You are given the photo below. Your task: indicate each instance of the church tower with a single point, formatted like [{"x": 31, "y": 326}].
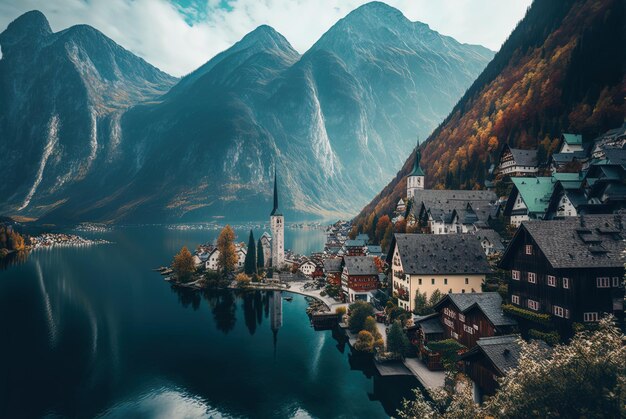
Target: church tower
[
  {"x": 415, "y": 179},
  {"x": 277, "y": 225}
]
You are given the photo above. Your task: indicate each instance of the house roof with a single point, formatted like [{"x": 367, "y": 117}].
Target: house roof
[
  {"x": 417, "y": 170},
  {"x": 493, "y": 237},
  {"x": 590, "y": 241},
  {"x": 563, "y": 158},
  {"x": 355, "y": 243},
  {"x": 490, "y": 303},
  {"x": 430, "y": 324},
  {"x": 502, "y": 351},
  {"x": 524, "y": 157},
  {"x": 445, "y": 201},
  {"x": 374, "y": 249},
  {"x": 332, "y": 264},
  {"x": 363, "y": 237},
  {"x": 573, "y": 139},
  {"x": 360, "y": 265},
  {"x": 426, "y": 254},
  {"x": 535, "y": 192}
]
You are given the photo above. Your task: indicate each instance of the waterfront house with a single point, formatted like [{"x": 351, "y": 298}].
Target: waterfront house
[
  {"x": 359, "y": 277},
  {"x": 516, "y": 162},
  {"x": 425, "y": 262},
  {"x": 332, "y": 269},
  {"x": 354, "y": 247},
  {"x": 212, "y": 262},
  {"x": 308, "y": 268},
  {"x": 490, "y": 359},
  {"x": 466, "y": 317},
  {"x": 571, "y": 270}
]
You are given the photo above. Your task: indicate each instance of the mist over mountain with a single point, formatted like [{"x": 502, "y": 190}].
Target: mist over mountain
[{"x": 91, "y": 132}]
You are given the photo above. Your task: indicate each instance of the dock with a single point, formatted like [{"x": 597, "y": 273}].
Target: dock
[
  {"x": 324, "y": 320},
  {"x": 429, "y": 379},
  {"x": 392, "y": 369}
]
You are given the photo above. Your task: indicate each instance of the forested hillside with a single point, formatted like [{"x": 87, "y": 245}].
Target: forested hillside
[{"x": 560, "y": 70}]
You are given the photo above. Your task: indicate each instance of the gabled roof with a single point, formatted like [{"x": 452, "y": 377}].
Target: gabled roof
[
  {"x": 573, "y": 139},
  {"x": 332, "y": 265},
  {"x": 490, "y": 303},
  {"x": 374, "y": 249},
  {"x": 360, "y": 265},
  {"x": 429, "y": 324},
  {"x": 439, "y": 254},
  {"x": 591, "y": 241},
  {"x": 363, "y": 236},
  {"x": 563, "y": 158},
  {"x": 524, "y": 157},
  {"x": 354, "y": 243},
  {"x": 493, "y": 237},
  {"x": 417, "y": 170},
  {"x": 502, "y": 351},
  {"x": 535, "y": 192}
]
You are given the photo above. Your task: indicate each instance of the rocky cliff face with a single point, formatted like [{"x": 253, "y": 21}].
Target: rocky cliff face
[{"x": 96, "y": 133}]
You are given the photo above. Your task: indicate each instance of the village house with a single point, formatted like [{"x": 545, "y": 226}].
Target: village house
[
  {"x": 212, "y": 262},
  {"x": 610, "y": 140},
  {"x": 490, "y": 241},
  {"x": 570, "y": 143},
  {"x": 373, "y": 250},
  {"x": 266, "y": 244},
  {"x": 332, "y": 269},
  {"x": 570, "y": 269},
  {"x": 308, "y": 268},
  {"x": 453, "y": 263},
  {"x": 358, "y": 278},
  {"x": 516, "y": 162},
  {"x": 489, "y": 360},
  {"x": 354, "y": 247}
]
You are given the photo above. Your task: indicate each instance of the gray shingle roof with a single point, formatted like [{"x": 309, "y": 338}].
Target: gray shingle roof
[
  {"x": 355, "y": 243},
  {"x": 568, "y": 243},
  {"x": 430, "y": 325},
  {"x": 332, "y": 265},
  {"x": 502, "y": 351},
  {"x": 360, "y": 265},
  {"x": 490, "y": 303},
  {"x": 524, "y": 157},
  {"x": 425, "y": 254},
  {"x": 493, "y": 237}
]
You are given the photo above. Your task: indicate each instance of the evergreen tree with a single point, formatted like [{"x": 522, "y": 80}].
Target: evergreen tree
[
  {"x": 260, "y": 256},
  {"x": 249, "y": 264},
  {"x": 397, "y": 341}
]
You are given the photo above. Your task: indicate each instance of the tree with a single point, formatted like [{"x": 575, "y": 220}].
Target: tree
[
  {"x": 586, "y": 378},
  {"x": 359, "y": 311},
  {"x": 249, "y": 264},
  {"x": 364, "y": 341},
  {"x": 370, "y": 326},
  {"x": 381, "y": 227},
  {"x": 242, "y": 279},
  {"x": 434, "y": 298},
  {"x": 421, "y": 303},
  {"x": 260, "y": 256},
  {"x": 397, "y": 341},
  {"x": 183, "y": 264},
  {"x": 386, "y": 241},
  {"x": 228, "y": 258}
]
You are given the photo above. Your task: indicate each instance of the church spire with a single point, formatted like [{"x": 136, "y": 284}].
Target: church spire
[
  {"x": 275, "y": 211},
  {"x": 417, "y": 170}
]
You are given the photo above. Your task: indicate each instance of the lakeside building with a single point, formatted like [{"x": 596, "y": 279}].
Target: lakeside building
[
  {"x": 570, "y": 269},
  {"x": 277, "y": 226},
  {"x": 308, "y": 268},
  {"x": 488, "y": 361},
  {"x": 212, "y": 261},
  {"x": 333, "y": 268},
  {"x": 354, "y": 247},
  {"x": 358, "y": 277},
  {"x": 454, "y": 263},
  {"x": 516, "y": 162}
]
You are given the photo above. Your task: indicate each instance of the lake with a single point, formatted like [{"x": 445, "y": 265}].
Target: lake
[{"x": 93, "y": 332}]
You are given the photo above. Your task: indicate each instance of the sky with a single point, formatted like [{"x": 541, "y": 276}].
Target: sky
[{"x": 178, "y": 36}]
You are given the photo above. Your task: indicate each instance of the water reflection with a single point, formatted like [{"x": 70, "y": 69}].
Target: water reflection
[{"x": 13, "y": 259}]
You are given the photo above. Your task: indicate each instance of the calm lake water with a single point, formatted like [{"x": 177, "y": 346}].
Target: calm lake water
[{"x": 93, "y": 332}]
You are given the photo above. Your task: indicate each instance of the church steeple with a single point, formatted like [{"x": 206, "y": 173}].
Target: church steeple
[
  {"x": 417, "y": 170},
  {"x": 275, "y": 211}
]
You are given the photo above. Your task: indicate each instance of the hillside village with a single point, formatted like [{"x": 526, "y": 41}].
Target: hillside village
[{"x": 539, "y": 253}]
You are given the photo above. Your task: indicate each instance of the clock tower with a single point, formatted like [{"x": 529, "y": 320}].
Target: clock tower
[{"x": 415, "y": 179}]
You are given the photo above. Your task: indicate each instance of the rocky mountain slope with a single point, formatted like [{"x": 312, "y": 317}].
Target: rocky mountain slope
[
  {"x": 128, "y": 144},
  {"x": 561, "y": 70}
]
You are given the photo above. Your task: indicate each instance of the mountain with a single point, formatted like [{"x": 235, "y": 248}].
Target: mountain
[
  {"x": 334, "y": 122},
  {"x": 61, "y": 95},
  {"x": 560, "y": 70}
]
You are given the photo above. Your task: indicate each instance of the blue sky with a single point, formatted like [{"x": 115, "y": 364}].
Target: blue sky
[{"x": 180, "y": 35}]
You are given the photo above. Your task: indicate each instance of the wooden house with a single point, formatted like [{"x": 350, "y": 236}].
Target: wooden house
[{"x": 358, "y": 278}]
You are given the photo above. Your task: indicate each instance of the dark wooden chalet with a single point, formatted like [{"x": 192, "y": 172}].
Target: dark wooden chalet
[
  {"x": 570, "y": 269},
  {"x": 471, "y": 316}
]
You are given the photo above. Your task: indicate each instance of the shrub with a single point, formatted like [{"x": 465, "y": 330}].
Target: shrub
[
  {"x": 364, "y": 342},
  {"x": 551, "y": 338},
  {"x": 359, "y": 311},
  {"x": 540, "y": 318},
  {"x": 341, "y": 311},
  {"x": 242, "y": 279}
]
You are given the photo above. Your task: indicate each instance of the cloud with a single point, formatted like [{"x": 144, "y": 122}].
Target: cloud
[{"x": 180, "y": 36}]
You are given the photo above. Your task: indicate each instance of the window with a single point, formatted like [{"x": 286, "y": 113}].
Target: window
[
  {"x": 466, "y": 281},
  {"x": 566, "y": 313},
  {"x": 462, "y": 291},
  {"x": 616, "y": 281},
  {"x": 419, "y": 281},
  {"x": 533, "y": 305},
  {"x": 603, "y": 282},
  {"x": 532, "y": 277},
  {"x": 445, "y": 281},
  {"x": 590, "y": 317},
  {"x": 552, "y": 281},
  {"x": 566, "y": 283},
  {"x": 515, "y": 275},
  {"x": 515, "y": 299},
  {"x": 529, "y": 249},
  {"x": 432, "y": 281},
  {"x": 558, "y": 311}
]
